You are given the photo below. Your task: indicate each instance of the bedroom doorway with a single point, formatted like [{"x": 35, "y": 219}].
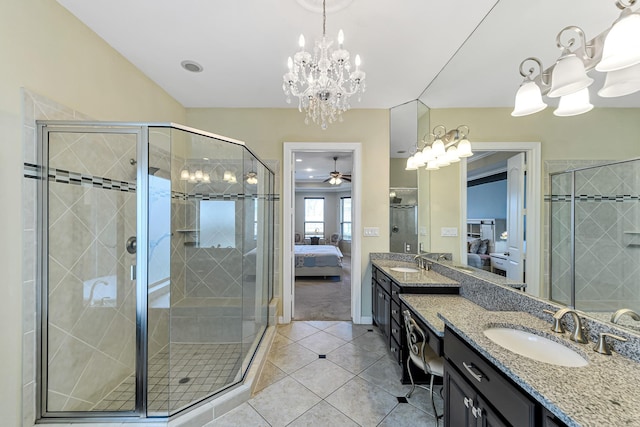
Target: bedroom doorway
[
  {"x": 318, "y": 216},
  {"x": 531, "y": 227}
]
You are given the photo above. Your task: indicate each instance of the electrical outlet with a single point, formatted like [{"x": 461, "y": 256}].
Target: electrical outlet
[
  {"x": 407, "y": 248},
  {"x": 371, "y": 232}
]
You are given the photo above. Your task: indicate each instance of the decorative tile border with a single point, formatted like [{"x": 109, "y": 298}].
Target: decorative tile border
[
  {"x": 34, "y": 171},
  {"x": 594, "y": 198}
]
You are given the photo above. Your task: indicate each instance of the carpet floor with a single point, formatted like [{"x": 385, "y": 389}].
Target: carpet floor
[{"x": 320, "y": 299}]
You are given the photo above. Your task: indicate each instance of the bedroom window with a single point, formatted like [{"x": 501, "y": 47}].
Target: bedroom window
[
  {"x": 313, "y": 217},
  {"x": 345, "y": 218}
]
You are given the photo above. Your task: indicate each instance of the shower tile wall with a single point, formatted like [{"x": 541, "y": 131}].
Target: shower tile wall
[
  {"x": 84, "y": 224},
  {"x": 607, "y": 244},
  {"x": 554, "y": 166}
]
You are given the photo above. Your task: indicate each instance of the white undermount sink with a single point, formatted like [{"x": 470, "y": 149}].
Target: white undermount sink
[
  {"x": 404, "y": 269},
  {"x": 535, "y": 347}
]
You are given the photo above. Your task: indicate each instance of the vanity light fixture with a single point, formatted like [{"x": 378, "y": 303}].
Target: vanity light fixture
[
  {"x": 194, "y": 177},
  {"x": 447, "y": 147},
  {"x": 615, "y": 51}
]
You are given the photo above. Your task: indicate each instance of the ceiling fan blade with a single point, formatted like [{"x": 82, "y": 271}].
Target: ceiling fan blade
[
  {"x": 344, "y": 178},
  {"x": 348, "y": 175}
]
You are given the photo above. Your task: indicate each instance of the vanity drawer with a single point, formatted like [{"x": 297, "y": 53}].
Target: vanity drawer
[
  {"x": 512, "y": 403},
  {"x": 384, "y": 282},
  {"x": 395, "y": 313},
  {"x": 394, "y": 347},
  {"x": 395, "y": 293}
]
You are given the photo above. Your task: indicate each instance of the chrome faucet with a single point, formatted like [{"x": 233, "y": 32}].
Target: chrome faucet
[
  {"x": 421, "y": 262},
  {"x": 442, "y": 257},
  {"x": 618, "y": 314},
  {"x": 578, "y": 332}
]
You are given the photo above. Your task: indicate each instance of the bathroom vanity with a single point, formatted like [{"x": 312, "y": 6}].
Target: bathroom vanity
[
  {"x": 487, "y": 383},
  {"x": 387, "y": 286}
]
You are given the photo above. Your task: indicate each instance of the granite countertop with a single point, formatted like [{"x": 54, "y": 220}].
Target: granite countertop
[
  {"x": 602, "y": 393},
  {"x": 421, "y": 278}
]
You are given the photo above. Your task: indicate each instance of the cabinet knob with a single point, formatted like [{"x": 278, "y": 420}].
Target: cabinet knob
[
  {"x": 393, "y": 330},
  {"x": 393, "y": 349},
  {"x": 468, "y": 402},
  {"x": 394, "y": 311},
  {"x": 477, "y": 412}
]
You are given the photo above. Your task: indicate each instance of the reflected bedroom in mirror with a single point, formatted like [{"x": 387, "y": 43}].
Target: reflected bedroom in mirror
[{"x": 576, "y": 230}]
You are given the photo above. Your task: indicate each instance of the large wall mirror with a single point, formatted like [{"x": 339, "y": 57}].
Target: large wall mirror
[{"x": 477, "y": 88}]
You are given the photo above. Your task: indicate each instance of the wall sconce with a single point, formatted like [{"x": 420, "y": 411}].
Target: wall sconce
[
  {"x": 447, "y": 147},
  {"x": 615, "y": 51}
]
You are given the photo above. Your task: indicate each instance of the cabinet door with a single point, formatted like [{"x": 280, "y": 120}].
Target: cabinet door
[
  {"x": 485, "y": 415},
  {"x": 374, "y": 301},
  {"x": 458, "y": 400},
  {"x": 382, "y": 310}
]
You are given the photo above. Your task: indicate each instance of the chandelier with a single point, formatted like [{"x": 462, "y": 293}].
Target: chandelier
[
  {"x": 447, "y": 147},
  {"x": 324, "y": 81},
  {"x": 615, "y": 51}
]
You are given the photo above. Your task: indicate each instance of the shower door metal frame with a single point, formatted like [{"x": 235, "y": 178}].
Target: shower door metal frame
[{"x": 45, "y": 127}]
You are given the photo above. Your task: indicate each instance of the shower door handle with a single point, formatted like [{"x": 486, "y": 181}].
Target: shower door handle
[{"x": 133, "y": 272}]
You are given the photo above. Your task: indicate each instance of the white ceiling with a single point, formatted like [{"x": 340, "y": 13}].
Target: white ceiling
[
  {"x": 244, "y": 45},
  {"x": 448, "y": 54}
]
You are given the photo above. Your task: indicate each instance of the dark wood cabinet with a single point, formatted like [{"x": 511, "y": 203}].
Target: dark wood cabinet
[
  {"x": 387, "y": 315},
  {"x": 490, "y": 392}
]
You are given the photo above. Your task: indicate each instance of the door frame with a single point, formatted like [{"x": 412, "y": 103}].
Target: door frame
[
  {"x": 288, "y": 218},
  {"x": 533, "y": 210}
]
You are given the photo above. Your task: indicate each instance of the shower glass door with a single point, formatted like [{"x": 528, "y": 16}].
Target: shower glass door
[{"x": 89, "y": 295}]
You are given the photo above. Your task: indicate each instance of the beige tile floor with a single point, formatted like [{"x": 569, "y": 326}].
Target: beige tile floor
[{"x": 357, "y": 384}]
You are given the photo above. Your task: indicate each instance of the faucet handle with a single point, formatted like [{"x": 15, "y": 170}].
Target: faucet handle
[
  {"x": 557, "y": 326},
  {"x": 602, "y": 347}
]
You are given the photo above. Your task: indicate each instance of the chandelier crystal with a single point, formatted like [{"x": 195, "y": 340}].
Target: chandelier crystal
[{"x": 323, "y": 81}]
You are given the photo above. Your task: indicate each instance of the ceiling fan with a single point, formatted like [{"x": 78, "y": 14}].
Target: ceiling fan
[{"x": 335, "y": 177}]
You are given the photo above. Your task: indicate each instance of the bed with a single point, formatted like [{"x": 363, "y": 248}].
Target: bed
[{"x": 318, "y": 260}]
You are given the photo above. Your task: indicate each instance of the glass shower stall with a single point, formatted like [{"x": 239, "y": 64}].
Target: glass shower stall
[
  {"x": 155, "y": 267},
  {"x": 595, "y": 237}
]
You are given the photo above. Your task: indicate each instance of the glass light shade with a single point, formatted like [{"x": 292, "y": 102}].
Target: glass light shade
[
  {"x": 452, "y": 155},
  {"x": 464, "y": 148},
  {"x": 184, "y": 174},
  {"x": 427, "y": 154},
  {"x": 432, "y": 165},
  {"x": 226, "y": 176},
  {"x": 192, "y": 178},
  {"x": 418, "y": 159},
  {"x": 443, "y": 161},
  {"x": 568, "y": 76},
  {"x": 622, "y": 45},
  {"x": 411, "y": 164},
  {"x": 574, "y": 104},
  {"x": 233, "y": 180},
  {"x": 338, "y": 181},
  {"x": 621, "y": 82},
  {"x": 199, "y": 175},
  {"x": 438, "y": 148},
  {"x": 528, "y": 99}
]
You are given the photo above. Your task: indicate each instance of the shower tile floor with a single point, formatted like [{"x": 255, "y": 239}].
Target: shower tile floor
[{"x": 196, "y": 370}]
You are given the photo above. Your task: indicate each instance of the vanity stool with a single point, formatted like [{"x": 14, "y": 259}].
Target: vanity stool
[{"x": 422, "y": 356}]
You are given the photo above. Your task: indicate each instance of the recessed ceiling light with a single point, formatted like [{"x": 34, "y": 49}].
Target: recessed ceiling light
[
  {"x": 308, "y": 170},
  {"x": 192, "y": 66},
  {"x": 401, "y": 151},
  {"x": 310, "y": 176},
  {"x": 298, "y": 160}
]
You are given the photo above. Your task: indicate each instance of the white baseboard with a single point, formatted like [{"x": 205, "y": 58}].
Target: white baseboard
[{"x": 366, "y": 320}]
